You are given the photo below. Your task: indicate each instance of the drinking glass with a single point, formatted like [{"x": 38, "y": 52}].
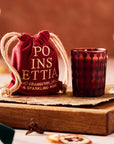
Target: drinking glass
[{"x": 88, "y": 71}]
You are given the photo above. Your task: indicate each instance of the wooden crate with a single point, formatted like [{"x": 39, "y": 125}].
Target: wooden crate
[{"x": 90, "y": 120}]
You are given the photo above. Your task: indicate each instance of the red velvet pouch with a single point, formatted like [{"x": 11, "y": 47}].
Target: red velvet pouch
[{"x": 35, "y": 59}]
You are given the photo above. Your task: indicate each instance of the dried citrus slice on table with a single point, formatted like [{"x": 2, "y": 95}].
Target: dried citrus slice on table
[
  {"x": 74, "y": 139},
  {"x": 68, "y": 139},
  {"x": 53, "y": 138}
]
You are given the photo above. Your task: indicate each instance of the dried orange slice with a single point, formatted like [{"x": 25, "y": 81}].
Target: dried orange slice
[
  {"x": 74, "y": 139},
  {"x": 53, "y": 138}
]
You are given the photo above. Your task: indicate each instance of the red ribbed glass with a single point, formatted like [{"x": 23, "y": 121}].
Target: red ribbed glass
[{"x": 88, "y": 71}]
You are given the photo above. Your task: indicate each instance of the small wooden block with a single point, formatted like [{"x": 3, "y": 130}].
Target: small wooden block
[{"x": 95, "y": 120}]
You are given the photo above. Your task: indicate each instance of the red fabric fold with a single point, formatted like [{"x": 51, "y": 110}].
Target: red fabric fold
[{"x": 36, "y": 61}]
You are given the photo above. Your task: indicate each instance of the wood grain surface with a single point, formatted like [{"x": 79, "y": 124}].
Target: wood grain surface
[{"x": 89, "y": 120}]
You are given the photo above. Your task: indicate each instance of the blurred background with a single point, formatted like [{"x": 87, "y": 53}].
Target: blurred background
[{"x": 78, "y": 23}]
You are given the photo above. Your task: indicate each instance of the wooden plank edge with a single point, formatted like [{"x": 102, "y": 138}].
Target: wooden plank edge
[
  {"x": 75, "y": 120},
  {"x": 110, "y": 122}
]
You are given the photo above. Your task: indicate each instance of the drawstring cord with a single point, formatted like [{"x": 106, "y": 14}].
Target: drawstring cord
[
  {"x": 6, "y": 92},
  {"x": 57, "y": 43}
]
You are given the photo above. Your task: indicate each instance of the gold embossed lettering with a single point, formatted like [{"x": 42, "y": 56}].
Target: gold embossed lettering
[
  {"x": 44, "y": 74},
  {"x": 41, "y": 63},
  {"x": 35, "y": 74},
  {"x": 54, "y": 73},
  {"x": 36, "y": 50},
  {"x": 49, "y": 62},
  {"x": 25, "y": 75}
]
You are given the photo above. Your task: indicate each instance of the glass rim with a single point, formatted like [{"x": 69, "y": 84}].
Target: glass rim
[{"x": 89, "y": 50}]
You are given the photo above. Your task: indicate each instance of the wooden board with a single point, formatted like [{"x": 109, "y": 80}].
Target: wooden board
[{"x": 95, "y": 120}]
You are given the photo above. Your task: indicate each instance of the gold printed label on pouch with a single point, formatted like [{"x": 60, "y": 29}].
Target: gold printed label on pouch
[{"x": 40, "y": 68}]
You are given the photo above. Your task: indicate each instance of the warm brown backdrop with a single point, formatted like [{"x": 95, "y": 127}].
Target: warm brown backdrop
[{"x": 78, "y": 23}]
